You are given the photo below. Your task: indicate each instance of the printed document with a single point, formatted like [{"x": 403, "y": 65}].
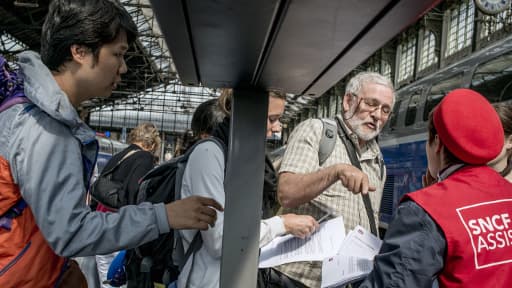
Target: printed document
[
  {"x": 354, "y": 259},
  {"x": 320, "y": 245}
]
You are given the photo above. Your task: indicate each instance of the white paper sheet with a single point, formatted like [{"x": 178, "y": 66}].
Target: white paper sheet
[
  {"x": 320, "y": 245},
  {"x": 361, "y": 243},
  {"x": 341, "y": 269},
  {"x": 354, "y": 259}
]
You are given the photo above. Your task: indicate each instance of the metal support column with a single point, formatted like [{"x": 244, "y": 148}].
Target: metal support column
[{"x": 244, "y": 189}]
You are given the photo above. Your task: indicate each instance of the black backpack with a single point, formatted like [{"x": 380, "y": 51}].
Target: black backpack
[
  {"x": 162, "y": 259},
  {"x": 107, "y": 191}
]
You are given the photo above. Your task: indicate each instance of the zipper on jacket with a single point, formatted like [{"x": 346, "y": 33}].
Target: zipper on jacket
[{"x": 16, "y": 259}]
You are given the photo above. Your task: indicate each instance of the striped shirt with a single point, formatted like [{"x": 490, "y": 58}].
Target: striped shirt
[{"x": 301, "y": 156}]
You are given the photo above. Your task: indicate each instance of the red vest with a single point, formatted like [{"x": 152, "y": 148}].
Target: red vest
[
  {"x": 473, "y": 207},
  {"x": 26, "y": 259}
]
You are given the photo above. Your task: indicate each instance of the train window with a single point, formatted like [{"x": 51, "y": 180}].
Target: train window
[
  {"x": 493, "y": 79},
  {"x": 412, "y": 108},
  {"x": 438, "y": 91}
]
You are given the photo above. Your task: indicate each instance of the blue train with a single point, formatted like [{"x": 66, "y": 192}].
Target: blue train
[{"x": 488, "y": 71}]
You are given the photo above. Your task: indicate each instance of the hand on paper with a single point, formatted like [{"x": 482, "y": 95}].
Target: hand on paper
[{"x": 299, "y": 225}]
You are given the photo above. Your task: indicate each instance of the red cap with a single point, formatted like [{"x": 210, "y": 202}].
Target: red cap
[{"x": 469, "y": 127}]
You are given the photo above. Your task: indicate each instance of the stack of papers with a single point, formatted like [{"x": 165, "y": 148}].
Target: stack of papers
[
  {"x": 345, "y": 258},
  {"x": 353, "y": 261}
]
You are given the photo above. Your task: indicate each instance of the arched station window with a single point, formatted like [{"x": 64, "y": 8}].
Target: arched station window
[
  {"x": 407, "y": 56},
  {"x": 428, "y": 50},
  {"x": 460, "y": 29},
  {"x": 495, "y": 23}
]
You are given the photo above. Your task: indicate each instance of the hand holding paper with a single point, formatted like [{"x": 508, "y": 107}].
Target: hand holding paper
[{"x": 318, "y": 246}]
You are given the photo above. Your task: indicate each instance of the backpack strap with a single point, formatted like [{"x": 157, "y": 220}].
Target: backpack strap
[
  {"x": 13, "y": 101},
  {"x": 351, "y": 150},
  {"x": 13, "y": 212},
  {"x": 119, "y": 162},
  {"x": 181, "y": 168},
  {"x": 327, "y": 141}
]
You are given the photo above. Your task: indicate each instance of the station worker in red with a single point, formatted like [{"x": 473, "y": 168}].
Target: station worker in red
[{"x": 456, "y": 232}]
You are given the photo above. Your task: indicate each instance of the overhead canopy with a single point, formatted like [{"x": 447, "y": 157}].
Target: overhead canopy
[
  {"x": 148, "y": 61},
  {"x": 302, "y": 47}
]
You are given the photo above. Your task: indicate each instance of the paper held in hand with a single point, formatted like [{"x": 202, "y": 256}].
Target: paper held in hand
[
  {"x": 320, "y": 245},
  {"x": 353, "y": 261}
]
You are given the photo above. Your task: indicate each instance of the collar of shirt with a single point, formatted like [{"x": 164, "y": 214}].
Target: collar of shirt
[{"x": 448, "y": 171}]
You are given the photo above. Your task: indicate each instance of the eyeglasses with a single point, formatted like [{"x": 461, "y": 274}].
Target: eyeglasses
[{"x": 373, "y": 105}]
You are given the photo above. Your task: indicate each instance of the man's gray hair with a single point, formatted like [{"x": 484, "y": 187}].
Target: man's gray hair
[{"x": 356, "y": 83}]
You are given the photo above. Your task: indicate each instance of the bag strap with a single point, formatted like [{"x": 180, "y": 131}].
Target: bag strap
[
  {"x": 327, "y": 141},
  {"x": 349, "y": 145},
  {"x": 119, "y": 163}
]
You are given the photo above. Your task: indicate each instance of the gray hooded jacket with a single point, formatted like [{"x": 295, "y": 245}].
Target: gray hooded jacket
[{"x": 51, "y": 153}]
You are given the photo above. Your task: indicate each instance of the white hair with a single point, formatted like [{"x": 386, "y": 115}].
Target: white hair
[{"x": 356, "y": 83}]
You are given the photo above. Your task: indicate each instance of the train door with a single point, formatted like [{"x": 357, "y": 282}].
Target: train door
[{"x": 399, "y": 154}]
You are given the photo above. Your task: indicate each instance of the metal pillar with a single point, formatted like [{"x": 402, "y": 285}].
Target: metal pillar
[{"x": 244, "y": 189}]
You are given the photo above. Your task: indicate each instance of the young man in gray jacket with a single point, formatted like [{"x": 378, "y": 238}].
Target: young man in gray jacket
[{"x": 47, "y": 153}]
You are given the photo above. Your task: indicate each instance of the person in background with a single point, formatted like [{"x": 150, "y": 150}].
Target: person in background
[
  {"x": 47, "y": 153},
  {"x": 204, "y": 175},
  {"x": 138, "y": 160},
  {"x": 182, "y": 143},
  {"x": 455, "y": 232},
  {"x": 503, "y": 163},
  {"x": 306, "y": 187},
  {"x": 206, "y": 117}
]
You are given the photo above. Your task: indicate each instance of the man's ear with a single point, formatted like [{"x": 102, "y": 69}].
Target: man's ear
[{"x": 79, "y": 53}]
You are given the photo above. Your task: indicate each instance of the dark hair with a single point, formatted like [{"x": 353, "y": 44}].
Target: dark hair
[
  {"x": 206, "y": 117},
  {"x": 450, "y": 158},
  {"x": 91, "y": 23},
  {"x": 505, "y": 112}
]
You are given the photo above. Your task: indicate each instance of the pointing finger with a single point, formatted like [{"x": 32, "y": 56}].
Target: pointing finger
[{"x": 364, "y": 185}]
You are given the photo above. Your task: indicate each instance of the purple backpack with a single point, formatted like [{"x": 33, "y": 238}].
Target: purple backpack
[{"x": 11, "y": 86}]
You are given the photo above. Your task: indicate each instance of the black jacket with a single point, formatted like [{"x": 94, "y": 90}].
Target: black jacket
[{"x": 131, "y": 170}]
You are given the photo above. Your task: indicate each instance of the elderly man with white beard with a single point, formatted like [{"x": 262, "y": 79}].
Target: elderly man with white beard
[{"x": 307, "y": 186}]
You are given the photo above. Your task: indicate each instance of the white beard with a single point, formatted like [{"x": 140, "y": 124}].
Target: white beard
[{"x": 356, "y": 125}]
